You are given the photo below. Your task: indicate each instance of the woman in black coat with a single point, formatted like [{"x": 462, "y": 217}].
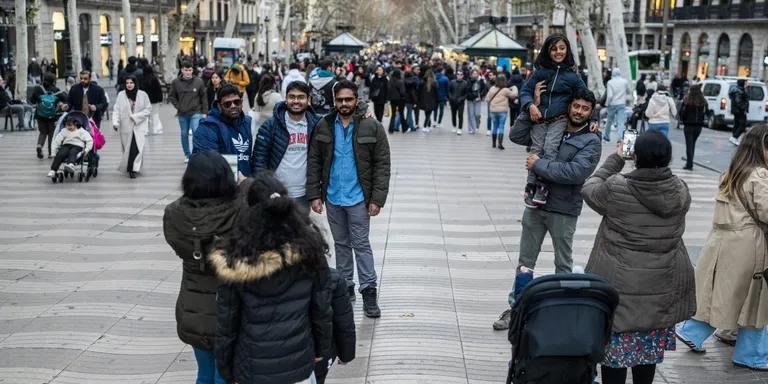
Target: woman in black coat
[
  {"x": 692, "y": 114},
  {"x": 191, "y": 225},
  {"x": 396, "y": 95},
  {"x": 427, "y": 99},
  {"x": 274, "y": 312},
  {"x": 151, "y": 85},
  {"x": 378, "y": 86}
]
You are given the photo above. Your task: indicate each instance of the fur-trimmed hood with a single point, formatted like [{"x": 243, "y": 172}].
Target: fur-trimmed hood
[{"x": 266, "y": 265}]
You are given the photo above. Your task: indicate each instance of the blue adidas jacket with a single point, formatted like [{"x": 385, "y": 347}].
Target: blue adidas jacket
[
  {"x": 443, "y": 83},
  {"x": 272, "y": 139},
  {"x": 215, "y": 134}
]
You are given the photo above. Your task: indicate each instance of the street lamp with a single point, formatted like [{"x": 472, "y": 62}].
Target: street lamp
[{"x": 266, "y": 31}]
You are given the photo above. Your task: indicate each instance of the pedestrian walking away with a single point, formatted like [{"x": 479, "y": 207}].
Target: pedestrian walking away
[
  {"x": 693, "y": 112},
  {"x": 576, "y": 159},
  {"x": 379, "y": 85},
  {"x": 730, "y": 290},
  {"x": 739, "y": 108},
  {"x": 396, "y": 95},
  {"x": 661, "y": 110},
  {"x": 322, "y": 80},
  {"x": 275, "y": 319},
  {"x": 545, "y": 101},
  {"x": 443, "y": 83},
  {"x": 151, "y": 85},
  {"x": 427, "y": 98},
  {"x": 617, "y": 94},
  {"x": 640, "y": 251},
  {"x": 348, "y": 170},
  {"x": 227, "y": 130},
  {"x": 131, "y": 119},
  {"x": 282, "y": 142},
  {"x": 188, "y": 96},
  {"x": 192, "y": 224},
  {"x": 498, "y": 100},
  {"x": 48, "y": 101}
]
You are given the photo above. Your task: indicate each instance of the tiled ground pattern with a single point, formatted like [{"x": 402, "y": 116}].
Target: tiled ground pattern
[{"x": 88, "y": 284}]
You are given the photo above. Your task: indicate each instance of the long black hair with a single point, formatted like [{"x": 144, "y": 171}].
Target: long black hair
[
  {"x": 266, "y": 82},
  {"x": 272, "y": 220},
  {"x": 545, "y": 61},
  {"x": 208, "y": 175}
]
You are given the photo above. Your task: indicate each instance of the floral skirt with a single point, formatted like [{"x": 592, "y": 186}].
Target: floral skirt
[{"x": 628, "y": 349}]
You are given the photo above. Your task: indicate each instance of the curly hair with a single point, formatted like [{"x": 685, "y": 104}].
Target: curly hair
[{"x": 272, "y": 220}]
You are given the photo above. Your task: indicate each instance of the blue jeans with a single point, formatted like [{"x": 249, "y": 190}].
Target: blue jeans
[
  {"x": 498, "y": 120},
  {"x": 661, "y": 127},
  {"x": 187, "y": 123},
  {"x": 207, "y": 373},
  {"x": 440, "y": 111},
  {"x": 617, "y": 114},
  {"x": 473, "y": 114},
  {"x": 350, "y": 227},
  {"x": 751, "y": 344},
  {"x": 408, "y": 117}
]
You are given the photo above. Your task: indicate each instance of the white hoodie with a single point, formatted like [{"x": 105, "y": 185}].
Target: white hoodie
[
  {"x": 617, "y": 89},
  {"x": 661, "y": 108},
  {"x": 293, "y": 75}
]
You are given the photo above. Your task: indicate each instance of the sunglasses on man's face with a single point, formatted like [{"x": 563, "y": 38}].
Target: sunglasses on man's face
[{"x": 230, "y": 103}]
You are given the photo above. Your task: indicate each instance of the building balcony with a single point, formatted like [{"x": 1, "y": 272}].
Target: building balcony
[
  {"x": 209, "y": 25},
  {"x": 249, "y": 28},
  {"x": 722, "y": 12}
]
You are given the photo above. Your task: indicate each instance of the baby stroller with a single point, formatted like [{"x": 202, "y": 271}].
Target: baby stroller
[
  {"x": 559, "y": 329},
  {"x": 89, "y": 163}
]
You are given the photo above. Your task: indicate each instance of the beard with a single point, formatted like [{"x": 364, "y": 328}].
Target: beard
[
  {"x": 346, "y": 112},
  {"x": 574, "y": 122}
]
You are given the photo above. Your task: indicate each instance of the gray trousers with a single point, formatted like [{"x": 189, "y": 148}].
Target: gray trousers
[
  {"x": 536, "y": 224},
  {"x": 350, "y": 227},
  {"x": 545, "y": 139}
]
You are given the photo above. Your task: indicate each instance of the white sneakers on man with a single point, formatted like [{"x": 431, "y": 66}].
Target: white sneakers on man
[{"x": 734, "y": 141}]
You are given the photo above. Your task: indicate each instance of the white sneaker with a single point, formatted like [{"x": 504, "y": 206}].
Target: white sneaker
[
  {"x": 186, "y": 160},
  {"x": 69, "y": 167},
  {"x": 51, "y": 173},
  {"x": 427, "y": 130},
  {"x": 458, "y": 132},
  {"x": 487, "y": 133},
  {"x": 190, "y": 132},
  {"x": 734, "y": 141},
  {"x": 453, "y": 130}
]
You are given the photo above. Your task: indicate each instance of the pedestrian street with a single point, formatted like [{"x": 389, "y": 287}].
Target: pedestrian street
[{"x": 88, "y": 284}]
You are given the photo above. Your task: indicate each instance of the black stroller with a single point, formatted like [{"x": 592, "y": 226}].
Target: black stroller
[{"x": 559, "y": 329}]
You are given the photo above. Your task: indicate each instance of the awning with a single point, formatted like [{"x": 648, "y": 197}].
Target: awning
[
  {"x": 493, "y": 42},
  {"x": 345, "y": 42}
]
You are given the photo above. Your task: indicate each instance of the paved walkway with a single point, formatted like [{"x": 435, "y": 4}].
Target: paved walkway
[{"x": 88, "y": 284}]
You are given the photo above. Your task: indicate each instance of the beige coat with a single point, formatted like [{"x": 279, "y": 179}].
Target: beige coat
[
  {"x": 132, "y": 122},
  {"x": 498, "y": 100},
  {"x": 729, "y": 294}
]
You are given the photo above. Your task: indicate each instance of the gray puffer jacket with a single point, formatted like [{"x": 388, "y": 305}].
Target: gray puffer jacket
[{"x": 639, "y": 246}]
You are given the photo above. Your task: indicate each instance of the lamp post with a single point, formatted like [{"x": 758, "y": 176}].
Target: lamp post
[{"x": 266, "y": 32}]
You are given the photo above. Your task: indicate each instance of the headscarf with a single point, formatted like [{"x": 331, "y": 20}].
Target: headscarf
[{"x": 132, "y": 94}]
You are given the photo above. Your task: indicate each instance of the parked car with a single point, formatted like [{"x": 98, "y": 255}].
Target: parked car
[{"x": 716, "y": 92}]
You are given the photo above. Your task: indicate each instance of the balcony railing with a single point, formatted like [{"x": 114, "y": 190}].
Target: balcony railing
[
  {"x": 210, "y": 24},
  {"x": 721, "y": 12}
]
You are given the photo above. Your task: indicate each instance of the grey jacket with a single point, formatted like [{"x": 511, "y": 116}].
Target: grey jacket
[
  {"x": 577, "y": 157},
  {"x": 639, "y": 247}
]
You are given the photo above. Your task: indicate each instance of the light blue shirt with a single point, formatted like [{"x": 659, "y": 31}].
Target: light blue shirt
[{"x": 344, "y": 187}]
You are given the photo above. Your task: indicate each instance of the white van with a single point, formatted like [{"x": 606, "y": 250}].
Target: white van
[{"x": 716, "y": 92}]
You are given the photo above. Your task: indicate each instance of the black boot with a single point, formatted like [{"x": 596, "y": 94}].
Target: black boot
[
  {"x": 39, "y": 153},
  {"x": 370, "y": 305},
  {"x": 501, "y": 140},
  {"x": 493, "y": 140}
]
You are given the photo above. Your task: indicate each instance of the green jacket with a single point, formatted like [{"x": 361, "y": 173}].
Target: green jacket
[{"x": 371, "y": 157}]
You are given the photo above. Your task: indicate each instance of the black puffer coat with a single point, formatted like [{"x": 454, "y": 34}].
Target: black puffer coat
[
  {"x": 190, "y": 225},
  {"x": 274, "y": 318}
]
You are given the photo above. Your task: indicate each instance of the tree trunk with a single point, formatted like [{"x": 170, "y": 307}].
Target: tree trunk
[
  {"x": 176, "y": 26},
  {"x": 287, "y": 30},
  {"x": 229, "y": 29},
  {"x": 74, "y": 35},
  {"x": 570, "y": 33},
  {"x": 22, "y": 56},
  {"x": 580, "y": 9},
  {"x": 447, "y": 23},
  {"x": 130, "y": 29},
  {"x": 619, "y": 37}
]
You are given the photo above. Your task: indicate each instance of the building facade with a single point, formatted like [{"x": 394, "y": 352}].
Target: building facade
[{"x": 725, "y": 39}]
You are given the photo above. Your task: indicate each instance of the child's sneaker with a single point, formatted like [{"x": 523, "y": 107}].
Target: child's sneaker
[
  {"x": 540, "y": 197},
  {"x": 69, "y": 167},
  {"x": 51, "y": 174},
  {"x": 530, "y": 190}
]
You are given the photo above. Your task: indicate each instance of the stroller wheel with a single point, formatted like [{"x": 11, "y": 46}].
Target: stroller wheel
[{"x": 60, "y": 176}]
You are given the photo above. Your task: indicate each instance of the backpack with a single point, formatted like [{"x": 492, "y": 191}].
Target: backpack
[{"x": 47, "y": 105}]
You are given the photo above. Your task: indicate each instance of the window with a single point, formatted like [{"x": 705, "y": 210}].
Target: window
[
  {"x": 711, "y": 89},
  {"x": 755, "y": 93}
]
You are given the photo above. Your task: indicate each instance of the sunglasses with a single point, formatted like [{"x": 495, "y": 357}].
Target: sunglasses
[
  {"x": 230, "y": 103},
  {"x": 343, "y": 100}
]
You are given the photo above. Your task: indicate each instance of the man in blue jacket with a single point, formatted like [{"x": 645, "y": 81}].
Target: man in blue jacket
[
  {"x": 226, "y": 130},
  {"x": 577, "y": 157},
  {"x": 283, "y": 141},
  {"x": 443, "y": 83}
]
